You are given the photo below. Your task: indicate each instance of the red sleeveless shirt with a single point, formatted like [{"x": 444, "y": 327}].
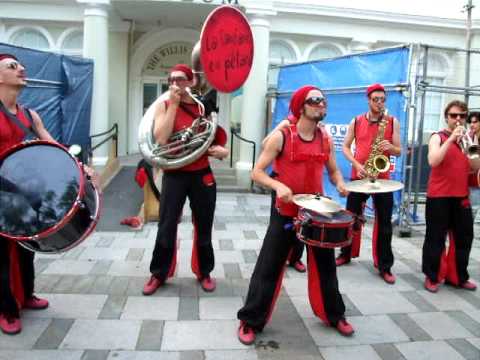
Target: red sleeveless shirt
[
  {"x": 450, "y": 177},
  {"x": 365, "y": 133},
  {"x": 10, "y": 133},
  {"x": 300, "y": 165}
]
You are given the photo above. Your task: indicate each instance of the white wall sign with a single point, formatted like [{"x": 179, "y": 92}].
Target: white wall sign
[{"x": 164, "y": 58}]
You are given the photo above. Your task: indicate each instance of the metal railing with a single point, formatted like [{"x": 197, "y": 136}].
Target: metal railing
[{"x": 113, "y": 131}]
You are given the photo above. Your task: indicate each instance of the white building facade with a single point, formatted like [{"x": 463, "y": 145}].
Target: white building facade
[{"x": 134, "y": 43}]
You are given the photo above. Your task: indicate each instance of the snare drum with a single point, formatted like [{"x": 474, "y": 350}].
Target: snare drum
[
  {"x": 334, "y": 230},
  {"x": 47, "y": 203}
]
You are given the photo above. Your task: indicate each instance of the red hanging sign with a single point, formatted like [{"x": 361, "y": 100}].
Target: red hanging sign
[{"x": 226, "y": 49}]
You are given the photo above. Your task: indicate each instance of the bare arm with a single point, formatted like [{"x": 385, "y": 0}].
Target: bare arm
[
  {"x": 334, "y": 172},
  {"x": 394, "y": 148},
  {"x": 42, "y": 133},
  {"x": 271, "y": 150},
  {"x": 282, "y": 124},
  {"x": 347, "y": 149},
  {"x": 165, "y": 117}
]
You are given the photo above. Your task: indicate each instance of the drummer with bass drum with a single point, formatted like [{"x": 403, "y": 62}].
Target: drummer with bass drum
[
  {"x": 17, "y": 124},
  {"x": 300, "y": 152}
]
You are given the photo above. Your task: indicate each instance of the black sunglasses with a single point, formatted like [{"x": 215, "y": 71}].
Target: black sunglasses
[
  {"x": 377, "y": 99},
  {"x": 315, "y": 100},
  {"x": 177, "y": 79},
  {"x": 457, "y": 115}
]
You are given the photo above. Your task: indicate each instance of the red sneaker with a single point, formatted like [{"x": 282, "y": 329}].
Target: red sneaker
[
  {"x": 208, "y": 284},
  {"x": 341, "y": 260},
  {"x": 469, "y": 285},
  {"x": 430, "y": 285},
  {"x": 299, "y": 266},
  {"x": 10, "y": 325},
  {"x": 245, "y": 333},
  {"x": 36, "y": 303},
  {"x": 344, "y": 328},
  {"x": 151, "y": 286},
  {"x": 388, "y": 277}
]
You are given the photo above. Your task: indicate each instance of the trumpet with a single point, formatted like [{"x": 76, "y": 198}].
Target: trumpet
[{"x": 469, "y": 148}]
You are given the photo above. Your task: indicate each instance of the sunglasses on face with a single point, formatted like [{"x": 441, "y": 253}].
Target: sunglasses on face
[
  {"x": 13, "y": 65},
  {"x": 377, "y": 99},
  {"x": 177, "y": 79},
  {"x": 315, "y": 100},
  {"x": 457, "y": 115}
]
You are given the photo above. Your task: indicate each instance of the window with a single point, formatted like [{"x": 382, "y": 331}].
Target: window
[
  {"x": 73, "y": 43},
  {"x": 281, "y": 53},
  {"x": 30, "y": 38},
  {"x": 323, "y": 51}
]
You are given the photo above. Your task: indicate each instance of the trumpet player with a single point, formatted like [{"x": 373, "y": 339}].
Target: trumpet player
[
  {"x": 448, "y": 208},
  {"x": 195, "y": 181},
  {"x": 474, "y": 122},
  {"x": 364, "y": 130}
]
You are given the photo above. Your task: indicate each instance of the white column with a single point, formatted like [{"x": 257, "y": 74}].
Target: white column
[
  {"x": 95, "y": 47},
  {"x": 224, "y": 108},
  {"x": 254, "y": 98}
]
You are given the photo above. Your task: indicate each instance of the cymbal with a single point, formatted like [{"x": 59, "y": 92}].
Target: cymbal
[
  {"x": 319, "y": 204},
  {"x": 366, "y": 186}
]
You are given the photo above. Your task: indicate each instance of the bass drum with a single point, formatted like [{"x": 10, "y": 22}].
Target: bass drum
[{"x": 47, "y": 203}]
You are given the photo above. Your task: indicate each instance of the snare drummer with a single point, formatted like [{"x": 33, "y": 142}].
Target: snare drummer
[
  {"x": 300, "y": 152},
  {"x": 16, "y": 263},
  {"x": 363, "y": 130},
  {"x": 474, "y": 121}
]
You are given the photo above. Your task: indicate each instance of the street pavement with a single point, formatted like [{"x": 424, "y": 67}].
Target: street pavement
[{"x": 97, "y": 310}]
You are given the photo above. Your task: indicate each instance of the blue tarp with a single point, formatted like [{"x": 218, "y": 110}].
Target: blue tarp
[
  {"x": 60, "y": 90},
  {"x": 344, "y": 80}
]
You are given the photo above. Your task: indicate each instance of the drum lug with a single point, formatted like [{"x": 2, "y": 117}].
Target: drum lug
[{"x": 81, "y": 204}]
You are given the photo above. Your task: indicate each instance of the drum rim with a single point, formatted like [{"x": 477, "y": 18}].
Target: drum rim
[
  {"x": 327, "y": 224},
  {"x": 68, "y": 216}
]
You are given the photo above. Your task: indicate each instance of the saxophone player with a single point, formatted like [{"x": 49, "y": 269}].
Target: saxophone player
[{"x": 364, "y": 130}]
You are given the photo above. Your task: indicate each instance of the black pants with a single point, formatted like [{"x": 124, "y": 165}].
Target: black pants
[
  {"x": 453, "y": 216},
  {"x": 382, "y": 229},
  {"x": 200, "y": 188},
  {"x": 8, "y": 304},
  {"x": 266, "y": 281},
  {"x": 298, "y": 246}
]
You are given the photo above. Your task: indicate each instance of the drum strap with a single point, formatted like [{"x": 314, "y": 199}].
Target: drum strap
[{"x": 28, "y": 132}]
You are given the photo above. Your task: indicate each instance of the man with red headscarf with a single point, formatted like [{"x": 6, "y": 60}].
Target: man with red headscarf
[
  {"x": 194, "y": 181},
  {"x": 300, "y": 152},
  {"x": 16, "y": 263},
  {"x": 363, "y": 131}
]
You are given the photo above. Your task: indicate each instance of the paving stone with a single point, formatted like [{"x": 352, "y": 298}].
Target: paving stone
[
  {"x": 105, "y": 241},
  {"x": 412, "y": 280},
  {"x": 465, "y": 348},
  {"x": 119, "y": 285},
  {"x": 65, "y": 284},
  {"x": 41, "y": 264},
  {"x": 135, "y": 254},
  {"x": 224, "y": 288},
  {"x": 113, "y": 307},
  {"x": 95, "y": 355},
  {"x": 226, "y": 244},
  {"x": 188, "y": 308},
  {"x": 388, "y": 352},
  {"x": 70, "y": 267},
  {"x": 102, "y": 335},
  {"x": 249, "y": 256},
  {"x": 466, "y": 321},
  {"x": 74, "y": 253},
  {"x": 219, "y": 308},
  {"x": 364, "y": 352},
  {"x": 109, "y": 253},
  {"x": 440, "y": 326},
  {"x": 53, "y": 334},
  {"x": 250, "y": 235},
  {"x": 470, "y": 297},
  {"x": 101, "y": 284},
  {"x": 32, "y": 329},
  {"x": 475, "y": 342},
  {"x": 128, "y": 268},
  {"x": 381, "y": 302},
  {"x": 69, "y": 306},
  {"x": 192, "y": 355},
  {"x": 46, "y": 283},
  {"x": 150, "y": 337},
  {"x": 219, "y": 225},
  {"x": 369, "y": 330},
  {"x": 420, "y": 302},
  {"x": 135, "y": 286},
  {"x": 445, "y": 300},
  {"x": 410, "y": 327},
  {"x": 150, "y": 308},
  {"x": 232, "y": 271},
  {"x": 428, "y": 350},
  {"x": 83, "y": 284},
  {"x": 101, "y": 267},
  {"x": 143, "y": 355},
  {"x": 40, "y": 355},
  {"x": 233, "y": 354},
  {"x": 200, "y": 335}
]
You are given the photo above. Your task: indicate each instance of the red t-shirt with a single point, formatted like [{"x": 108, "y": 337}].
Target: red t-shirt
[
  {"x": 10, "y": 133},
  {"x": 365, "y": 133},
  {"x": 300, "y": 165},
  {"x": 450, "y": 177}
]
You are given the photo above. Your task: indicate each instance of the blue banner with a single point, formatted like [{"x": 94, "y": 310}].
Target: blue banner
[{"x": 344, "y": 81}]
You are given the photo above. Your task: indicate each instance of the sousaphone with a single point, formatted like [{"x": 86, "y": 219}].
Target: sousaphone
[{"x": 224, "y": 59}]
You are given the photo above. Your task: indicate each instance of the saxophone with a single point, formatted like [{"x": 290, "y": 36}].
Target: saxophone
[{"x": 377, "y": 162}]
